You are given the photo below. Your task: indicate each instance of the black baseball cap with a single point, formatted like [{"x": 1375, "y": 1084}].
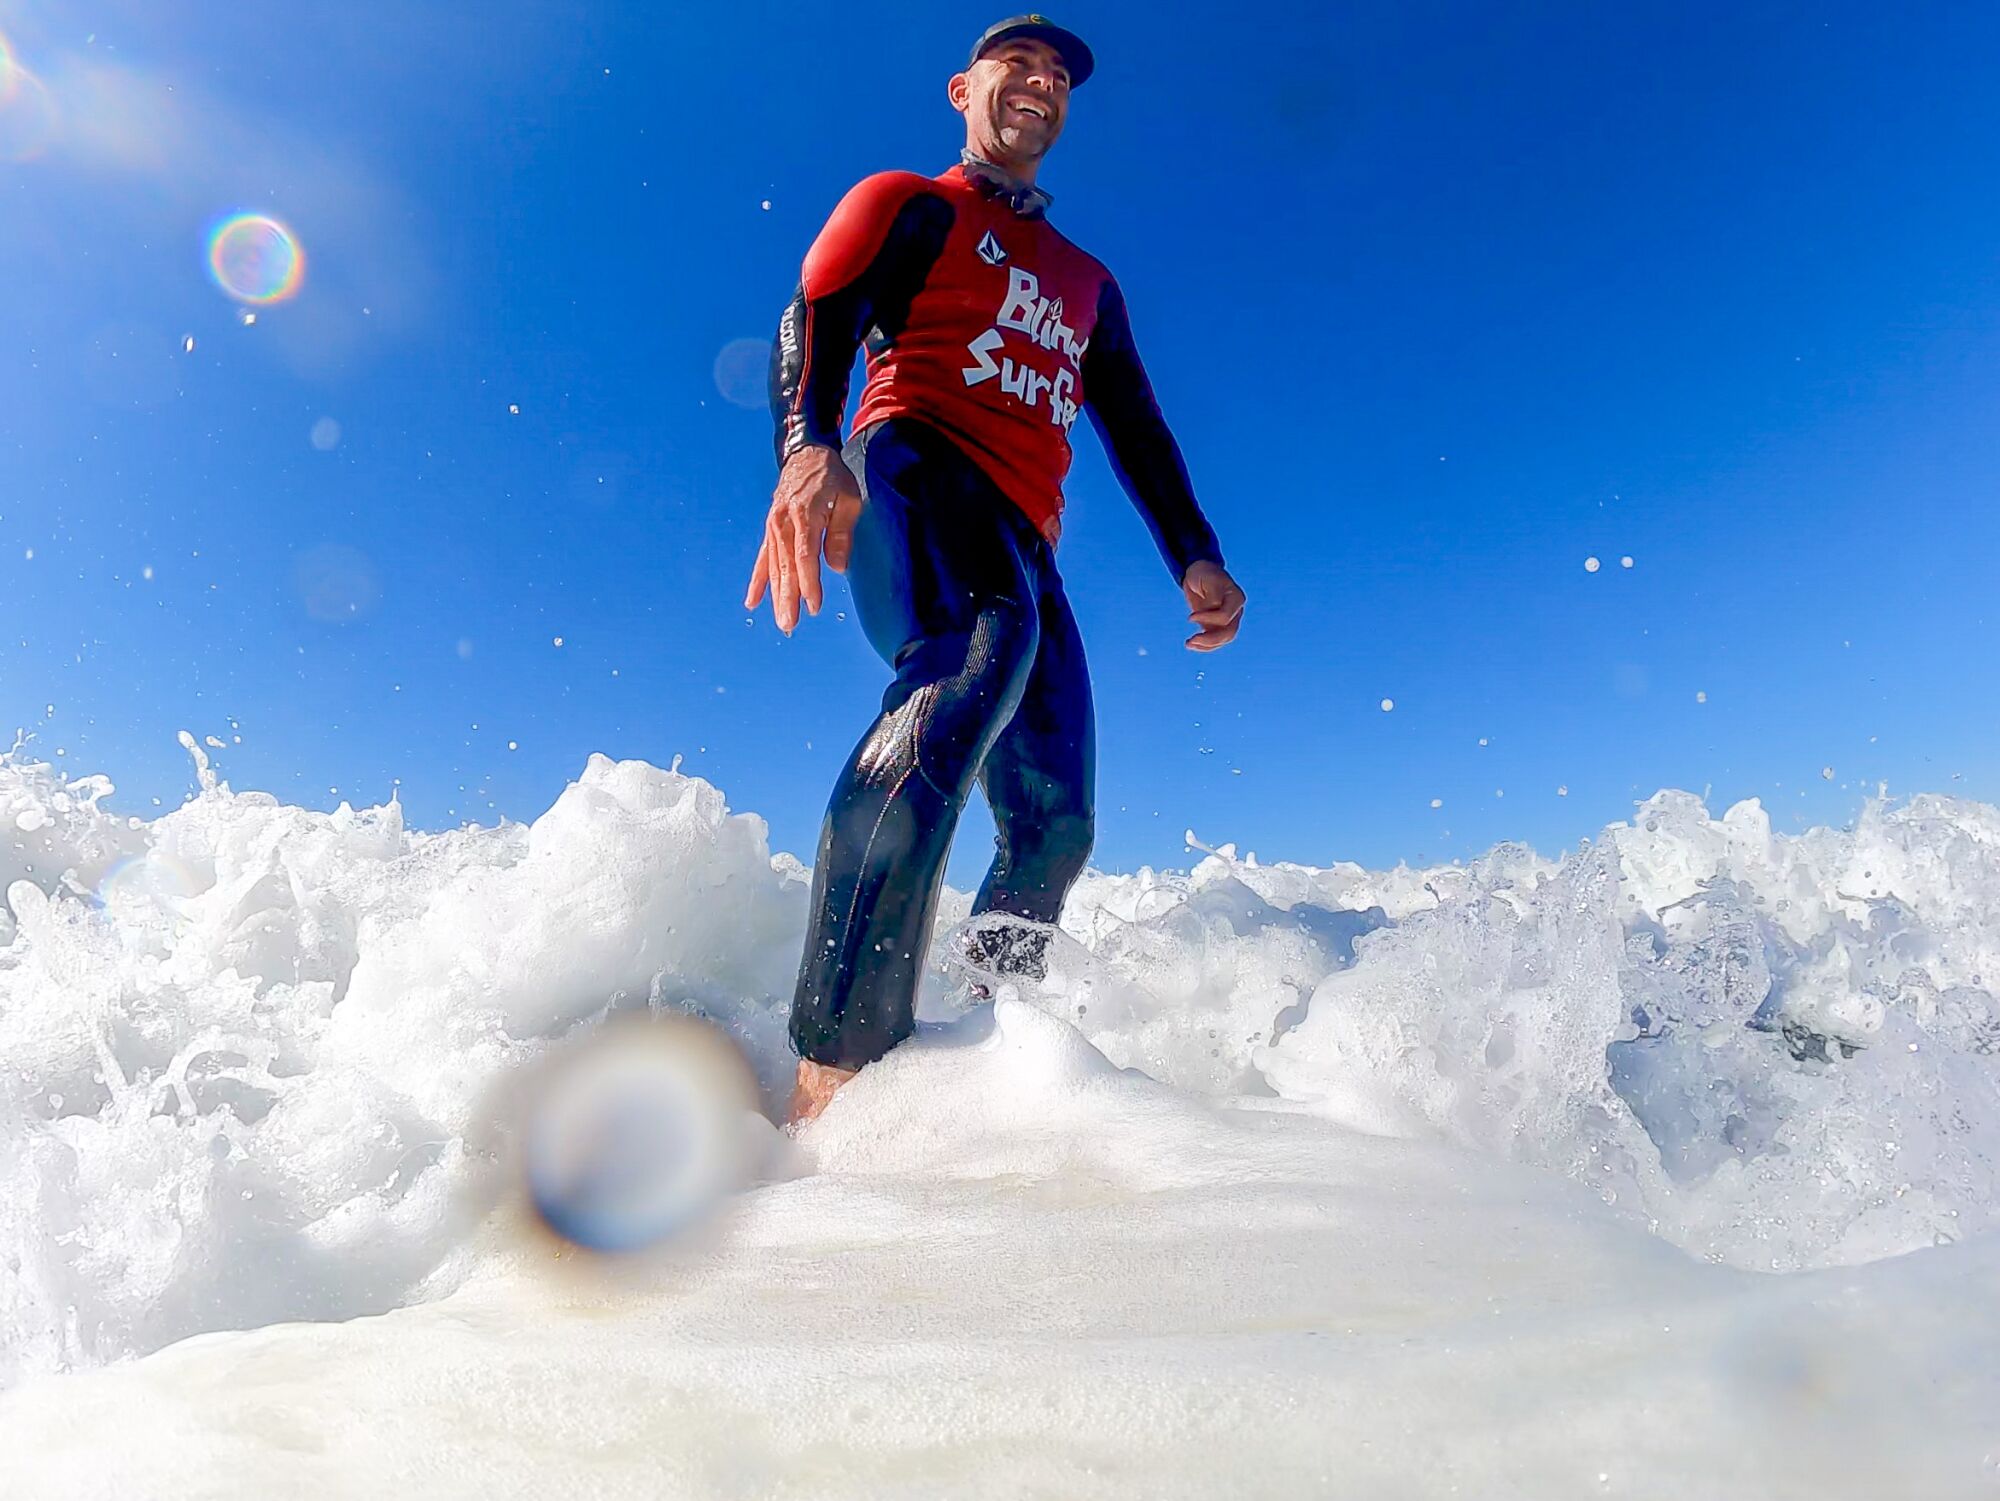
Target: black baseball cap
[{"x": 1075, "y": 53}]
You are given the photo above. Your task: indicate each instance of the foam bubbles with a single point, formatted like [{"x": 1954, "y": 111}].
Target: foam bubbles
[
  {"x": 256, "y": 259},
  {"x": 274, "y": 1030},
  {"x": 325, "y": 435}
]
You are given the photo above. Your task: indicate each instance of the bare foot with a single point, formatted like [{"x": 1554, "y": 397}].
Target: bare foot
[{"x": 814, "y": 1090}]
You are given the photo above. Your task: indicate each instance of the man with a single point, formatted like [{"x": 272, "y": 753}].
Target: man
[{"x": 987, "y": 332}]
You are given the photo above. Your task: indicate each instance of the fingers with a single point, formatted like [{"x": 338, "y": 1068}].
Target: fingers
[
  {"x": 1219, "y": 621},
  {"x": 805, "y": 515},
  {"x": 806, "y": 535},
  {"x": 840, "y": 533},
  {"x": 784, "y": 583}
]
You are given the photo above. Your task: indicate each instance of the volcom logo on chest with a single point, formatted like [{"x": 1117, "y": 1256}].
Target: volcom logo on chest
[
  {"x": 991, "y": 250},
  {"x": 1026, "y": 311}
]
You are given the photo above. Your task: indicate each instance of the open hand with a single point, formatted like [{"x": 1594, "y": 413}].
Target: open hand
[
  {"x": 816, "y": 503},
  {"x": 1215, "y": 603}
]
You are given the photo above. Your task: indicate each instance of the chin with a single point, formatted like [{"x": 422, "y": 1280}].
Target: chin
[{"x": 1021, "y": 142}]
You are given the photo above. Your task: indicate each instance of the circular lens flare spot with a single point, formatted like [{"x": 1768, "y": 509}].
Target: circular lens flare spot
[
  {"x": 256, "y": 259},
  {"x": 145, "y": 888}
]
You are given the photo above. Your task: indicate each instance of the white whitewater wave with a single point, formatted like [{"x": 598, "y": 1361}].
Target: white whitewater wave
[{"x": 246, "y": 1048}]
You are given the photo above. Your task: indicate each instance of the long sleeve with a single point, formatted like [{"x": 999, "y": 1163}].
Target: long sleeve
[
  {"x": 862, "y": 272},
  {"x": 1142, "y": 450}
]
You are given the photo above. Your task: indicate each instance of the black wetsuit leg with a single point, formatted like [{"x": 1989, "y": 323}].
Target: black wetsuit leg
[
  {"x": 1040, "y": 781},
  {"x": 958, "y": 592}
]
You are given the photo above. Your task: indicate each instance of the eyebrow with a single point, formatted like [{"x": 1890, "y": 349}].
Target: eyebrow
[{"x": 1015, "y": 49}]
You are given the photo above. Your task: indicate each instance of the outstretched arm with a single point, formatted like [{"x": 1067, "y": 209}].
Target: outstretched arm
[
  {"x": 1149, "y": 465},
  {"x": 861, "y": 273}
]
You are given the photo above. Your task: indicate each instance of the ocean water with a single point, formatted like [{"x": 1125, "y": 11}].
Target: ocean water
[{"x": 1281, "y": 1174}]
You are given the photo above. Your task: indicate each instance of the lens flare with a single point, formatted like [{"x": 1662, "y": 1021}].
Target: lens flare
[
  {"x": 27, "y": 111},
  {"x": 142, "y": 886},
  {"x": 256, "y": 259},
  {"x": 638, "y": 1132}
]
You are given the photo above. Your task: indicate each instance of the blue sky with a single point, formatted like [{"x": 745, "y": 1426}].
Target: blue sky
[{"x": 1441, "y": 302}]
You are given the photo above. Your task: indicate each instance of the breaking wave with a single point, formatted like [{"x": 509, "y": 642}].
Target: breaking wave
[{"x": 246, "y": 1048}]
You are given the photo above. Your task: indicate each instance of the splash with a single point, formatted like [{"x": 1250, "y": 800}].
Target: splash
[
  {"x": 256, "y": 259},
  {"x": 245, "y": 1047}
]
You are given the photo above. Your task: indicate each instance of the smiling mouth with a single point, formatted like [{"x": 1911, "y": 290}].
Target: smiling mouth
[{"x": 1029, "y": 107}]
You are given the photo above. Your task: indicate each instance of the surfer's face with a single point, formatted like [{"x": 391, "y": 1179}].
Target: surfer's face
[{"x": 1015, "y": 100}]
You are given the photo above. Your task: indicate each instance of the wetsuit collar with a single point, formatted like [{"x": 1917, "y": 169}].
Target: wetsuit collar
[{"x": 1025, "y": 199}]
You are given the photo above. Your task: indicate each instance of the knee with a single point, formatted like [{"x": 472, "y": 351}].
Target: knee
[
  {"x": 1041, "y": 857},
  {"x": 1067, "y": 843},
  {"x": 968, "y": 686}
]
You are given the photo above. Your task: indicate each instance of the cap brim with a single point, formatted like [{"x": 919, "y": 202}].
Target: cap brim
[{"x": 1074, "y": 51}]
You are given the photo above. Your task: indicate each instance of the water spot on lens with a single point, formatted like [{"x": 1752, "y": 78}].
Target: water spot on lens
[
  {"x": 741, "y": 372},
  {"x": 637, "y": 1132},
  {"x": 337, "y": 584}
]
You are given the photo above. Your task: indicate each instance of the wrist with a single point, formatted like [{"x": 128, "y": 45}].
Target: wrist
[{"x": 801, "y": 439}]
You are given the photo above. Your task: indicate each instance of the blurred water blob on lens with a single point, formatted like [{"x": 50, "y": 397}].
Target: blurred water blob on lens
[
  {"x": 325, "y": 435},
  {"x": 256, "y": 259},
  {"x": 337, "y": 584},
  {"x": 742, "y": 372},
  {"x": 638, "y": 1132},
  {"x": 27, "y": 111}
]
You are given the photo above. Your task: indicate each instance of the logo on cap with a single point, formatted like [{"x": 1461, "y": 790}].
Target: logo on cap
[{"x": 991, "y": 250}]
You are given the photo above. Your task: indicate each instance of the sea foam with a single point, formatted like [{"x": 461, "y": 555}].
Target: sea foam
[{"x": 248, "y": 1051}]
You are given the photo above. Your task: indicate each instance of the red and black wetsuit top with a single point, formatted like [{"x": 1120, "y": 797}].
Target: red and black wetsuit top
[{"x": 983, "y": 321}]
